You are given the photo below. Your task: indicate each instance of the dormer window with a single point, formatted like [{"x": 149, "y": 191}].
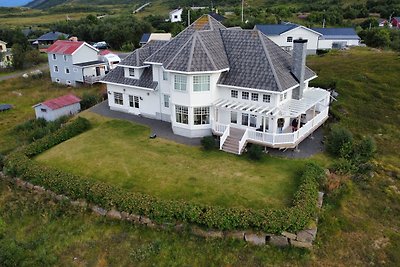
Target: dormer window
[
  {"x": 132, "y": 73},
  {"x": 289, "y": 39}
]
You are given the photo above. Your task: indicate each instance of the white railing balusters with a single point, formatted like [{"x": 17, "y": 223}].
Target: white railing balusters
[
  {"x": 243, "y": 141},
  {"x": 225, "y": 135}
]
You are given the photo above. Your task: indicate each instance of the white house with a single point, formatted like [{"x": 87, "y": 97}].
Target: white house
[
  {"x": 176, "y": 15},
  {"x": 74, "y": 63},
  {"x": 55, "y": 108},
  {"x": 234, "y": 83},
  {"x": 5, "y": 55},
  {"x": 111, "y": 59},
  {"x": 284, "y": 34},
  {"x": 337, "y": 38}
]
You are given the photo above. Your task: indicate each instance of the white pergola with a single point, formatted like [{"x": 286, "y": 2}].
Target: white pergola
[{"x": 251, "y": 108}]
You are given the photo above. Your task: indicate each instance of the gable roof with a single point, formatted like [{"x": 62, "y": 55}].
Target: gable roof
[
  {"x": 137, "y": 57},
  {"x": 175, "y": 10},
  {"x": 52, "y": 36},
  {"x": 60, "y": 102},
  {"x": 247, "y": 58},
  {"x": 275, "y": 29},
  {"x": 67, "y": 47},
  {"x": 337, "y": 33}
]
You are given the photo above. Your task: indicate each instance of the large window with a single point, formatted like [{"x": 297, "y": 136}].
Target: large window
[
  {"x": 180, "y": 82},
  {"x": 118, "y": 98},
  {"x": 245, "y": 95},
  {"x": 267, "y": 98},
  {"x": 166, "y": 101},
  {"x": 253, "y": 120},
  {"x": 134, "y": 101},
  {"x": 254, "y": 96},
  {"x": 201, "y": 115},
  {"x": 181, "y": 113},
  {"x": 234, "y": 94},
  {"x": 201, "y": 83},
  {"x": 233, "y": 117}
]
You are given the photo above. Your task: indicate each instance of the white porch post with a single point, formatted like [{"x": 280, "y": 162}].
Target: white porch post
[{"x": 264, "y": 123}]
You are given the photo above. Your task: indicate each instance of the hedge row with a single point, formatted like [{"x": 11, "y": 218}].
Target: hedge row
[{"x": 108, "y": 196}]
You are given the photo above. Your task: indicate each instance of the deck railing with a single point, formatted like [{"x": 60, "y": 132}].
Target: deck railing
[
  {"x": 224, "y": 136},
  {"x": 92, "y": 79},
  {"x": 243, "y": 141}
]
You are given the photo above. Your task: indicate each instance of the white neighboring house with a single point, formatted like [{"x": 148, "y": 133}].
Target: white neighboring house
[
  {"x": 111, "y": 59},
  {"x": 284, "y": 34},
  {"x": 234, "y": 83},
  {"x": 74, "y": 63},
  {"x": 6, "y": 55},
  {"x": 337, "y": 38},
  {"x": 53, "y": 109},
  {"x": 147, "y": 37},
  {"x": 176, "y": 15}
]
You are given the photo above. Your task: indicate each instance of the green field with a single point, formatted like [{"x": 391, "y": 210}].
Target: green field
[
  {"x": 121, "y": 153},
  {"x": 23, "y": 94}
]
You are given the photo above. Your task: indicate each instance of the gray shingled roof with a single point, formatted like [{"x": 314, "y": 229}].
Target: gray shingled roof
[
  {"x": 145, "y": 81},
  {"x": 252, "y": 59},
  {"x": 137, "y": 57}
]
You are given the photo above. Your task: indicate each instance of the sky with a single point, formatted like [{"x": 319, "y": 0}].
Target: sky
[{"x": 14, "y": 2}]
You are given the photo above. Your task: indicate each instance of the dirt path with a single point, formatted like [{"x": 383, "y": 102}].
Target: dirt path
[{"x": 42, "y": 67}]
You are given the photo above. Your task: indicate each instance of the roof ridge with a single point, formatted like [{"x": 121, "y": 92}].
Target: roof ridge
[
  {"x": 208, "y": 53},
  {"x": 195, "y": 36},
  {"x": 278, "y": 83},
  {"x": 177, "y": 53}
]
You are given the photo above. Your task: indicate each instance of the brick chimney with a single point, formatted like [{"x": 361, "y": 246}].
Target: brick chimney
[{"x": 299, "y": 54}]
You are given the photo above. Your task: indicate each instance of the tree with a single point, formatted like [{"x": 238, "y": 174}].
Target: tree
[{"x": 18, "y": 58}]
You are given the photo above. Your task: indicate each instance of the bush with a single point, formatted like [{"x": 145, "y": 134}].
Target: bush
[
  {"x": 342, "y": 166},
  {"x": 109, "y": 196},
  {"x": 208, "y": 142},
  {"x": 339, "y": 140},
  {"x": 364, "y": 150},
  {"x": 255, "y": 152},
  {"x": 89, "y": 100}
]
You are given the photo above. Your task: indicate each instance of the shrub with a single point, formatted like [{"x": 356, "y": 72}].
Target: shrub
[
  {"x": 364, "y": 150},
  {"x": 208, "y": 142},
  {"x": 342, "y": 166},
  {"x": 89, "y": 100},
  {"x": 339, "y": 140},
  {"x": 255, "y": 152}
]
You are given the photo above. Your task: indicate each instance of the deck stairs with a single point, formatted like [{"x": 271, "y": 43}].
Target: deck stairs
[{"x": 231, "y": 144}]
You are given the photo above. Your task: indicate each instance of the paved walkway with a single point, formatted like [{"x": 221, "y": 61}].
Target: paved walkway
[
  {"x": 310, "y": 146},
  {"x": 42, "y": 67}
]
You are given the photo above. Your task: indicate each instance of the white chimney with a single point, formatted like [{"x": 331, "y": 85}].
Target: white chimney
[{"x": 299, "y": 54}]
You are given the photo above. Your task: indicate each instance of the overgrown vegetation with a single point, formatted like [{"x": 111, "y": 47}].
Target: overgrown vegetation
[
  {"x": 208, "y": 142},
  {"x": 255, "y": 152}
]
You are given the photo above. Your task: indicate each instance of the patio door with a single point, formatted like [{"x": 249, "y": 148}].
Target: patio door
[{"x": 134, "y": 104}]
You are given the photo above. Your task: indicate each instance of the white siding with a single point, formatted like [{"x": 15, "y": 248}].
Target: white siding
[{"x": 51, "y": 115}]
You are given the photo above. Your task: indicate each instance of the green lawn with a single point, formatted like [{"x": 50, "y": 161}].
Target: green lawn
[
  {"x": 23, "y": 94},
  {"x": 121, "y": 153}
]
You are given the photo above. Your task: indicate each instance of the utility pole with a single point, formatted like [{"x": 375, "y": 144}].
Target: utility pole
[
  {"x": 323, "y": 23},
  {"x": 188, "y": 17},
  {"x": 242, "y": 11}
]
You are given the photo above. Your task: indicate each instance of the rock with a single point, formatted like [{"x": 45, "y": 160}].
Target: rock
[
  {"x": 114, "y": 214},
  {"x": 277, "y": 240},
  {"x": 289, "y": 235},
  {"x": 125, "y": 215},
  {"x": 134, "y": 218},
  {"x": 255, "y": 239},
  {"x": 235, "y": 235},
  {"x": 25, "y": 75},
  {"x": 98, "y": 210},
  {"x": 207, "y": 234},
  {"x": 145, "y": 220},
  {"x": 320, "y": 199},
  {"x": 39, "y": 189},
  {"x": 19, "y": 182},
  {"x": 51, "y": 193},
  {"x": 61, "y": 197},
  {"x": 179, "y": 227},
  {"x": 29, "y": 186},
  {"x": 299, "y": 244},
  {"x": 306, "y": 235}
]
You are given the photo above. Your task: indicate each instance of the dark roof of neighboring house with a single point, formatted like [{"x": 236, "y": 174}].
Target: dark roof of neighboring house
[
  {"x": 217, "y": 16},
  {"x": 275, "y": 29},
  {"x": 137, "y": 57},
  {"x": 89, "y": 63},
  {"x": 64, "y": 47},
  {"x": 61, "y": 102},
  {"x": 145, "y": 38},
  {"x": 52, "y": 36},
  {"x": 248, "y": 58},
  {"x": 26, "y": 32},
  {"x": 337, "y": 33}
]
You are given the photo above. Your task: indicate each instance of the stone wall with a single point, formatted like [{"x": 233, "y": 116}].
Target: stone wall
[{"x": 302, "y": 239}]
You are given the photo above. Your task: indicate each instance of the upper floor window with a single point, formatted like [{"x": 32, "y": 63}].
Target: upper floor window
[
  {"x": 283, "y": 96},
  {"x": 54, "y": 56},
  {"x": 201, "y": 83},
  {"x": 131, "y": 72},
  {"x": 234, "y": 94},
  {"x": 289, "y": 39},
  {"x": 65, "y": 58},
  {"x": 67, "y": 70},
  {"x": 267, "y": 98},
  {"x": 245, "y": 95},
  {"x": 166, "y": 101},
  {"x": 254, "y": 96},
  {"x": 55, "y": 68},
  {"x": 165, "y": 76},
  {"x": 180, "y": 82}
]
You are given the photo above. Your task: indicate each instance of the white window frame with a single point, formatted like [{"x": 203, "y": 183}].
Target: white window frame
[
  {"x": 201, "y": 83},
  {"x": 130, "y": 72},
  {"x": 245, "y": 95},
  {"x": 180, "y": 82},
  {"x": 254, "y": 97},
  {"x": 182, "y": 114},
  {"x": 234, "y": 93},
  {"x": 65, "y": 58},
  {"x": 266, "y": 98},
  {"x": 68, "y": 82},
  {"x": 118, "y": 98},
  {"x": 289, "y": 39},
  {"x": 201, "y": 115},
  {"x": 58, "y": 80},
  {"x": 166, "y": 101}
]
